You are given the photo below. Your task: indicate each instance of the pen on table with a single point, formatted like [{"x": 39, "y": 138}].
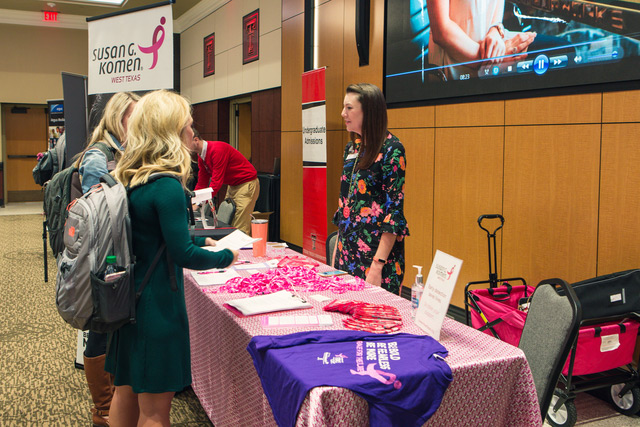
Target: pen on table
[
  {"x": 242, "y": 261},
  {"x": 213, "y": 271}
]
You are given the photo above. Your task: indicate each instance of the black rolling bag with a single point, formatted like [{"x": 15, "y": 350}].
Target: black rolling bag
[{"x": 609, "y": 295}]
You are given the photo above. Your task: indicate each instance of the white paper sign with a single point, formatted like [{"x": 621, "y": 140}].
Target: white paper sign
[
  {"x": 83, "y": 336},
  {"x": 437, "y": 293},
  {"x": 202, "y": 195},
  {"x": 314, "y": 134},
  {"x": 131, "y": 52}
]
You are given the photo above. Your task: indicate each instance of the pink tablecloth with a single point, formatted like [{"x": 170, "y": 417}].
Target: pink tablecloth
[{"x": 492, "y": 382}]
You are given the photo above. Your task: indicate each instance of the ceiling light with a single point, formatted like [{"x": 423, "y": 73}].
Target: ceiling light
[{"x": 107, "y": 3}]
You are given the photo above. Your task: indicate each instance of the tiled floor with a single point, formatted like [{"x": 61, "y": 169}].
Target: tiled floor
[{"x": 24, "y": 208}]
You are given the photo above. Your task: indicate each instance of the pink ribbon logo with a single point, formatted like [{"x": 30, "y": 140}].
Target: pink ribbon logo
[
  {"x": 155, "y": 43},
  {"x": 379, "y": 375}
]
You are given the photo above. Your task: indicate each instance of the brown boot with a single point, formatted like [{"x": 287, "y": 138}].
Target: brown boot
[{"x": 101, "y": 388}]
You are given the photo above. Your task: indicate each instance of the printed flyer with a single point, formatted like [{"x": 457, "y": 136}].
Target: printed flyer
[{"x": 438, "y": 289}]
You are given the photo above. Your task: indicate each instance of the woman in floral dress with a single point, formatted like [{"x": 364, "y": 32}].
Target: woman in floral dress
[{"x": 370, "y": 215}]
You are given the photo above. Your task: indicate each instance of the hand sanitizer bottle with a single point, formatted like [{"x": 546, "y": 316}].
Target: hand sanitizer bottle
[{"x": 416, "y": 291}]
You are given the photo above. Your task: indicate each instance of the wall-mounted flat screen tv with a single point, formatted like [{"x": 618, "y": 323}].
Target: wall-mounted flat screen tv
[{"x": 438, "y": 49}]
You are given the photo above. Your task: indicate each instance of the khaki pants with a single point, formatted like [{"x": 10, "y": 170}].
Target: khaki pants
[{"x": 244, "y": 196}]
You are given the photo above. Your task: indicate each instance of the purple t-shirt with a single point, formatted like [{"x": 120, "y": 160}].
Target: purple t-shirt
[{"x": 402, "y": 376}]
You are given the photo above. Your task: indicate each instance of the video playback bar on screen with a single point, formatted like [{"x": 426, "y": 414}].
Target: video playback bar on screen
[{"x": 543, "y": 63}]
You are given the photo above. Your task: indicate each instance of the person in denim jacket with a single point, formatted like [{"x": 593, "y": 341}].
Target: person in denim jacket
[{"x": 110, "y": 135}]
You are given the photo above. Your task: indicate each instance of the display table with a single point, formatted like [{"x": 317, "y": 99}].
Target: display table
[{"x": 492, "y": 383}]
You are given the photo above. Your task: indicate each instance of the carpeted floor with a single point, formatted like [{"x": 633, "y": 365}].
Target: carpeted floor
[{"x": 39, "y": 383}]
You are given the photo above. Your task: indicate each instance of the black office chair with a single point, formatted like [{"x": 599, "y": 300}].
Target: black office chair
[
  {"x": 549, "y": 332},
  {"x": 226, "y": 211},
  {"x": 331, "y": 242}
]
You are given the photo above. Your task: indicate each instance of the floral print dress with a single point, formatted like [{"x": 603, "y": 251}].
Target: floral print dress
[{"x": 371, "y": 203}]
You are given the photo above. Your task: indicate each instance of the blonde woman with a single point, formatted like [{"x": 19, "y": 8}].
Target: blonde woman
[
  {"x": 150, "y": 358},
  {"x": 98, "y": 158},
  {"x": 111, "y": 133}
]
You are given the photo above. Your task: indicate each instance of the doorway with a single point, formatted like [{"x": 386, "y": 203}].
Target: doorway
[
  {"x": 240, "y": 126},
  {"x": 25, "y": 129}
]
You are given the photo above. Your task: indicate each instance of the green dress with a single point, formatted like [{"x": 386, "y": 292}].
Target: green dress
[{"x": 152, "y": 355}]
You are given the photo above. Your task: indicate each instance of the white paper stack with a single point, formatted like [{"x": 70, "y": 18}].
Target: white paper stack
[{"x": 277, "y": 301}]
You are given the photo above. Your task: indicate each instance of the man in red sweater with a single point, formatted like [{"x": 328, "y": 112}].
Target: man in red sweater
[{"x": 219, "y": 163}]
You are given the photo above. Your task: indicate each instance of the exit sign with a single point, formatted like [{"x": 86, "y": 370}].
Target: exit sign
[{"x": 50, "y": 16}]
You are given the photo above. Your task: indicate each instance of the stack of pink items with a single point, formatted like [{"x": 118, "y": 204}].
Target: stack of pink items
[
  {"x": 294, "y": 279},
  {"x": 376, "y": 318},
  {"x": 297, "y": 261}
]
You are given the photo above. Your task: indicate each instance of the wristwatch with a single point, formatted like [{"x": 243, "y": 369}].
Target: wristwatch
[
  {"x": 380, "y": 260},
  {"x": 499, "y": 27}
]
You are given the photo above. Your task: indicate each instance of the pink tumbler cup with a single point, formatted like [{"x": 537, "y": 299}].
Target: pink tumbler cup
[{"x": 259, "y": 230}]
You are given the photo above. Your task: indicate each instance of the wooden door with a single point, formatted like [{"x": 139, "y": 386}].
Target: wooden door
[
  {"x": 244, "y": 129},
  {"x": 26, "y": 136}
]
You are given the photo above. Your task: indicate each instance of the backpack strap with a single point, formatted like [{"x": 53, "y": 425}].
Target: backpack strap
[
  {"x": 172, "y": 273},
  {"x": 111, "y": 182},
  {"x": 106, "y": 149},
  {"x": 152, "y": 267},
  {"x": 56, "y": 164}
]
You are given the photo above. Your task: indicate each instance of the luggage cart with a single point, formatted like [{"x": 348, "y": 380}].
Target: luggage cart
[
  {"x": 494, "y": 310},
  {"x": 601, "y": 358}
]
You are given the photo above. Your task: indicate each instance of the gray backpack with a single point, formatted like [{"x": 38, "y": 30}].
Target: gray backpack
[
  {"x": 60, "y": 191},
  {"x": 51, "y": 162},
  {"x": 98, "y": 225}
]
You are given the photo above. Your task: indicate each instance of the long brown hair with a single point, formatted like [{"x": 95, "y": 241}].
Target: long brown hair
[{"x": 374, "y": 121}]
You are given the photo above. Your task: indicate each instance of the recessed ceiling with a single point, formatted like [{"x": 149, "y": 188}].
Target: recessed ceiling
[{"x": 179, "y": 7}]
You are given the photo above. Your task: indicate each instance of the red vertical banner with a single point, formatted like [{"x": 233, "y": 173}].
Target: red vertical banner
[
  {"x": 314, "y": 163},
  {"x": 209, "y": 56},
  {"x": 251, "y": 37}
]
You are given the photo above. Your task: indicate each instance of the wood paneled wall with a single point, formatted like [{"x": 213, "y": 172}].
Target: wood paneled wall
[
  {"x": 561, "y": 169},
  {"x": 211, "y": 119},
  {"x": 291, "y": 150},
  {"x": 265, "y": 129}
]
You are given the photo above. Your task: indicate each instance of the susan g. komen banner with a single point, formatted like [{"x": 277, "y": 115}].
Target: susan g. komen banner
[
  {"x": 132, "y": 51},
  {"x": 314, "y": 163}
]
